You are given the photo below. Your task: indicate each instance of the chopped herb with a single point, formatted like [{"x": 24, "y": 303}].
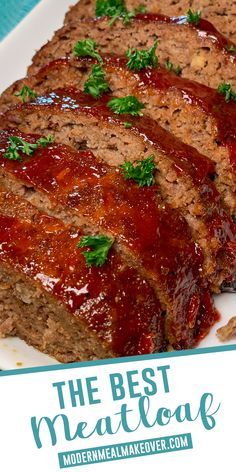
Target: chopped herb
[
  {"x": 130, "y": 105},
  {"x": 140, "y": 59},
  {"x": 127, "y": 17},
  {"x": 170, "y": 66},
  {"x": 17, "y": 144},
  {"x": 115, "y": 9},
  {"x": 227, "y": 91},
  {"x": 127, "y": 124},
  {"x": 96, "y": 84},
  {"x": 100, "y": 246},
  {"x": 87, "y": 47},
  {"x": 193, "y": 17},
  {"x": 231, "y": 48},
  {"x": 45, "y": 141},
  {"x": 110, "y": 8},
  {"x": 142, "y": 172},
  {"x": 25, "y": 92}
]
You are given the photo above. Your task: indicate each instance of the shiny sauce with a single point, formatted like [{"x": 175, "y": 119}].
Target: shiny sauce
[{"x": 113, "y": 301}]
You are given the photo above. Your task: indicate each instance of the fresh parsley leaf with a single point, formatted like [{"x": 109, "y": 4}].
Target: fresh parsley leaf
[
  {"x": 17, "y": 144},
  {"x": 231, "y": 48},
  {"x": 45, "y": 141},
  {"x": 127, "y": 124},
  {"x": 142, "y": 172},
  {"x": 129, "y": 15},
  {"x": 129, "y": 105},
  {"x": 193, "y": 17},
  {"x": 170, "y": 66},
  {"x": 96, "y": 84},
  {"x": 100, "y": 246},
  {"x": 87, "y": 47},
  {"x": 140, "y": 59},
  {"x": 110, "y": 7},
  {"x": 12, "y": 151},
  {"x": 227, "y": 91},
  {"x": 115, "y": 9},
  {"x": 25, "y": 93}
]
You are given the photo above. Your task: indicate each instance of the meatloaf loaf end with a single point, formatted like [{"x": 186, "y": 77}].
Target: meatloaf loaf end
[
  {"x": 196, "y": 114},
  {"x": 182, "y": 173},
  {"x": 52, "y": 300},
  {"x": 154, "y": 239},
  {"x": 202, "y": 53},
  {"x": 221, "y": 13}
]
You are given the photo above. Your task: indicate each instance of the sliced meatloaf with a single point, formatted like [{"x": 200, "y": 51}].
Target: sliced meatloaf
[
  {"x": 196, "y": 114},
  {"x": 154, "y": 239},
  {"x": 221, "y": 13},
  {"x": 182, "y": 173},
  {"x": 200, "y": 50},
  {"x": 52, "y": 300}
]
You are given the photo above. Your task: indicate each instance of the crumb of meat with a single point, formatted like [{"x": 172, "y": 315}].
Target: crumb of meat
[{"x": 228, "y": 331}]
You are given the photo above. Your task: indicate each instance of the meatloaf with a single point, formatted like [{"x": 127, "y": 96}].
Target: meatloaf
[
  {"x": 196, "y": 114},
  {"x": 221, "y": 13},
  {"x": 153, "y": 238},
  {"x": 51, "y": 299},
  {"x": 182, "y": 173},
  {"x": 201, "y": 51}
]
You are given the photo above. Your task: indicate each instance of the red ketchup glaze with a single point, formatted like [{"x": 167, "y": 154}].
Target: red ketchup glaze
[
  {"x": 155, "y": 234},
  {"x": 112, "y": 301}
]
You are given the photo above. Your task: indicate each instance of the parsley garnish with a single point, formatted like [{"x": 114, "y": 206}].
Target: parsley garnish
[
  {"x": 140, "y": 59},
  {"x": 193, "y": 17},
  {"x": 115, "y": 9},
  {"x": 96, "y": 84},
  {"x": 227, "y": 91},
  {"x": 17, "y": 144},
  {"x": 231, "y": 48},
  {"x": 142, "y": 172},
  {"x": 127, "y": 124},
  {"x": 45, "y": 141},
  {"x": 130, "y": 105},
  {"x": 87, "y": 47},
  {"x": 100, "y": 246},
  {"x": 110, "y": 8},
  {"x": 25, "y": 92},
  {"x": 170, "y": 66}
]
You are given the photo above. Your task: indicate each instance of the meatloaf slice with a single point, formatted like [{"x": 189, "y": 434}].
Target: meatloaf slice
[
  {"x": 200, "y": 50},
  {"x": 221, "y": 13},
  {"x": 154, "y": 239},
  {"x": 182, "y": 173},
  {"x": 52, "y": 300},
  {"x": 196, "y": 114}
]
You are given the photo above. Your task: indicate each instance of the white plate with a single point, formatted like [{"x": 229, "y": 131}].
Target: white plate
[{"x": 16, "y": 52}]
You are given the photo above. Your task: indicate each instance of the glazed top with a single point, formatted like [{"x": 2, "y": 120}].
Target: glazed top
[
  {"x": 156, "y": 236},
  {"x": 113, "y": 301},
  {"x": 136, "y": 217},
  {"x": 185, "y": 159}
]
